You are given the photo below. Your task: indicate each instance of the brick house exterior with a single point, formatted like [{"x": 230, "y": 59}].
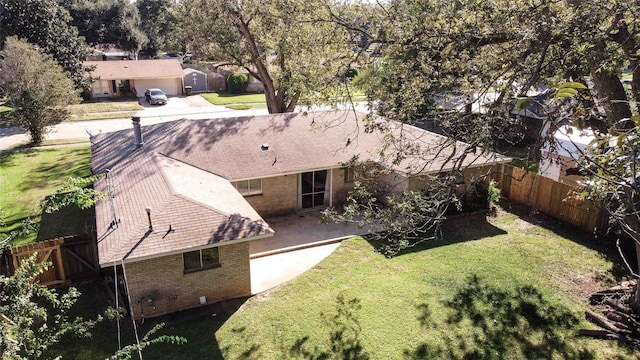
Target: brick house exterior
[
  {"x": 160, "y": 286},
  {"x": 187, "y": 197}
]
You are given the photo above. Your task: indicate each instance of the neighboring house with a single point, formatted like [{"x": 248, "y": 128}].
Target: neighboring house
[
  {"x": 558, "y": 162},
  {"x": 115, "y": 78},
  {"x": 196, "y": 79},
  {"x": 188, "y": 196}
]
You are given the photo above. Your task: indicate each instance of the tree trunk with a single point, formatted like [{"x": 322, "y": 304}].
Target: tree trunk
[{"x": 610, "y": 95}]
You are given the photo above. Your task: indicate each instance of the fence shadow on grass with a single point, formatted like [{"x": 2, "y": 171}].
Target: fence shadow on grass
[{"x": 487, "y": 322}]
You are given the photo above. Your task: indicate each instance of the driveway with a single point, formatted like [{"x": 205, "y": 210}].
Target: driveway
[{"x": 173, "y": 102}]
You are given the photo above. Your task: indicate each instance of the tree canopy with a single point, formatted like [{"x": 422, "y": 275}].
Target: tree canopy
[
  {"x": 158, "y": 22},
  {"x": 47, "y": 24},
  {"x": 107, "y": 22},
  {"x": 299, "y": 56},
  {"x": 36, "y": 87},
  {"x": 462, "y": 65}
]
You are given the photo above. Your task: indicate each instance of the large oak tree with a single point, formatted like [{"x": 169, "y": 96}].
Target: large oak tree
[{"x": 289, "y": 46}]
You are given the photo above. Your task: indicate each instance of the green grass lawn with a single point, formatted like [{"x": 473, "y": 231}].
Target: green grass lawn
[
  {"x": 27, "y": 176},
  {"x": 507, "y": 289},
  {"x": 235, "y": 101},
  {"x": 103, "y": 110}
]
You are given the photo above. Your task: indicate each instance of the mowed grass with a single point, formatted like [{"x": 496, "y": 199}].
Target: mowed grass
[
  {"x": 507, "y": 289},
  {"x": 103, "y": 110},
  {"x": 224, "y": 98},
  {"x": 27, "y": 176}
]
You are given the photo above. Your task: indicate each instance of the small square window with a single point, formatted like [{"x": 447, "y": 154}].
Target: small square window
[
  {"x": 249, "y": 187},
  {"x": 349, "y": 174},
  {"x": 201, "y": 259},
  {"x": 210, "y": 257},
  {"x": 191, "y": 260}
]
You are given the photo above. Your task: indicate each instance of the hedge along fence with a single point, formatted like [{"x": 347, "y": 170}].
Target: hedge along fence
[{"x": 551, "y": 198}]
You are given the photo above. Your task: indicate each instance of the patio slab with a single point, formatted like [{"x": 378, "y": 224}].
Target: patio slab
[
  {"x": 300, "y": 242},
  {"x": 301, "y": 230},
  {"x": 270, "y": 271}
]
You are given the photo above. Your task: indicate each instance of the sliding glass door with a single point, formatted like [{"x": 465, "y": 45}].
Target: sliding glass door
[{"x": 313, "y": 189}]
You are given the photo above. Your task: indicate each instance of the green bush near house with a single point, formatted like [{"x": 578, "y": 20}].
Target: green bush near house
[{"x": 237, "y": 83}]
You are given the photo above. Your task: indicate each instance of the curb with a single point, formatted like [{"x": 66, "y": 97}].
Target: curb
[{"x": 300, "y": 247}]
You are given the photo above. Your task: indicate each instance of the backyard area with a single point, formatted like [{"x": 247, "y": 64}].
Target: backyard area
[
  {"x": 511, "y": 288},
  {"x": 27, "y": 176},
  {"x": 514, "y": 287}
]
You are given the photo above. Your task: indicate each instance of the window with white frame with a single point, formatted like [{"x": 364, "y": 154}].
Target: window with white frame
[
  {"x": 201, "y": 259},
  {"x": 249, "y": 187}
]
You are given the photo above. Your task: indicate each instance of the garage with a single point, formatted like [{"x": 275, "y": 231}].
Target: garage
[
  {"x": 165, "y": 74},
  {"x": 170, "y": 86}
]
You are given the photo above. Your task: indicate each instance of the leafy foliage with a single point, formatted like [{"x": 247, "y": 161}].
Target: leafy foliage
[
  {"x": 75, "y": 191},
  {"x": 107, "y": 22},
  {"x": 290, "y": 46},
  {"x": 158, "y": 22},
  {"x": 47, "y": 24},
  {"x": 237, "y": 83},
  {"x": 36, "y": 88},
  {"x": 33, "y": 316}
]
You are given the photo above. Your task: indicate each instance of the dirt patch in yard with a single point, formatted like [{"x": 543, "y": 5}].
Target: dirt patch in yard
[{"x": 581, "y": 284}]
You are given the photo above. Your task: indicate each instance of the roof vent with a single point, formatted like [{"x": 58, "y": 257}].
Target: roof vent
[{"x": 264, "y": 146}]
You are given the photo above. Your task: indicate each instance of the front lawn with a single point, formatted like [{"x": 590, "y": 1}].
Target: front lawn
[
  {"x": 513, "y": 288},
  {"x": 103, "y": 110},
  {"x": 27, "y": 176},
  {"x": 236, "y": 101},
  {"x": 224, "y": 98}
]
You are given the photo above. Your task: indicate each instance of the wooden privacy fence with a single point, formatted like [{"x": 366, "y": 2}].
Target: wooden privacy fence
[
  {"x": 71, "y": 259},
  {"x": 550, "y": 197}
]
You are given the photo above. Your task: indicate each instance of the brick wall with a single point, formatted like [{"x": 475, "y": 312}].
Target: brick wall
[
  {"x": 340, "y": 188},
  {"x": 163, "y": 280},
  {"x": 280, "y": 194}
]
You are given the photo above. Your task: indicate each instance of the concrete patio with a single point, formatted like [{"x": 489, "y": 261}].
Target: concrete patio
[{"x": 300, "y": 242}]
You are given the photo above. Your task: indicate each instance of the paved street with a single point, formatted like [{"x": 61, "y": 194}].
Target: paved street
[
  {"x": 192, "y": 107},
  {"x": 177, "y": 108}
]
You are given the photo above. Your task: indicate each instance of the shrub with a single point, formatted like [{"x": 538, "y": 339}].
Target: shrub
[{"x": 237, "y": 83}]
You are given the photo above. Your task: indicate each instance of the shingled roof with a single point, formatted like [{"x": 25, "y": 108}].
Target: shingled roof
[
  {"x": 184, "y": 169},
  {"x": 136, "y": 69}
]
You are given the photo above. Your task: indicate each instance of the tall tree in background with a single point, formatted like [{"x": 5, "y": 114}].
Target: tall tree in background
[
  {"x": 47, "y": 24},
  {"x": 488, "y": 54},
  {"x": 107, "y": 22},
  {"x": 287, "y": 45},
  {"x": 35, "y": 86},
  {"x": 159, "y": 24}
]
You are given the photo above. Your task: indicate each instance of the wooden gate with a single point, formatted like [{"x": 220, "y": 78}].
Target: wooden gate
[
  {"x": 49, "y": 252},
  {"x": 71, "y": 259}
]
